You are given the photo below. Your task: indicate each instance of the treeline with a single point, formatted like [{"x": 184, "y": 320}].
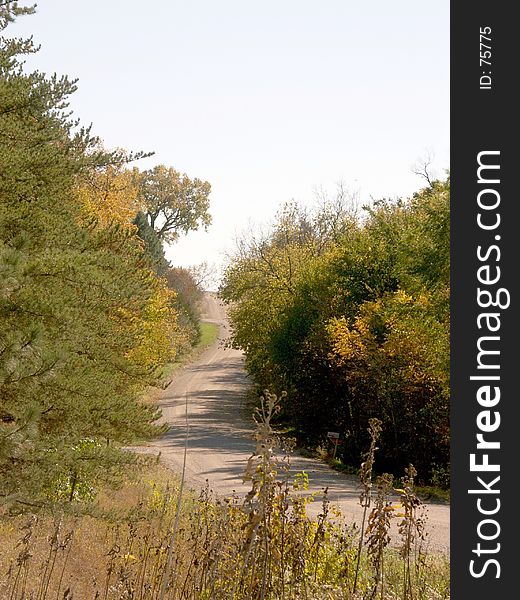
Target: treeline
[
  {"x": 90, "y": 310},
  {"x": 349, "y": 313}
]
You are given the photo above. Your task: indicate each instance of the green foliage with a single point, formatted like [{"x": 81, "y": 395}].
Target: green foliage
[
  {"x": 86, "y": 326},
  {"x": 208, "y": 334},
  {"x": 188, "y": 298},
  {"x": 263, "y": 547},
  {"x": 173, "y": 203},
  {"x": 355, "y": 327},
  {"x": 152, "y": 244},
  {"x": 262, "y": 279}
]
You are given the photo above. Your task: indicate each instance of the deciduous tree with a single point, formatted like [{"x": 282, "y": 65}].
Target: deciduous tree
[{"x": 174, "y": 203}]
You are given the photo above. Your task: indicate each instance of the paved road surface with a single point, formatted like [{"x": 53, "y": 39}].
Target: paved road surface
[{"x": 220, "y": 424}]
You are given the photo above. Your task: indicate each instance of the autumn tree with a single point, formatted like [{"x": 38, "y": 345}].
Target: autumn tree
[
  {"x": 266, "y": 268},
  {"x": 86, "y": 324},
  {"x": 351, "y": 317},
  {"x": 188, "y": 299},
  {"x": 109, "y": 194},
  {"x": 173, "y": 203}
]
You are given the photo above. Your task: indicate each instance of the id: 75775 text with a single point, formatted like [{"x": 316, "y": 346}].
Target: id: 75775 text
[{"x": 485, "y": 58}]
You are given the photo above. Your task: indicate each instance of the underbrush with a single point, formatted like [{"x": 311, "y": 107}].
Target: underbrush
[
  {"x": 434, "y": 493},
  {"x": 208, "y": 334},
  {"x": 150, "y": 541}
]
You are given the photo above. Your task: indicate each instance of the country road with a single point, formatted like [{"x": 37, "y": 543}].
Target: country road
[{"x": 220, "y": 425}]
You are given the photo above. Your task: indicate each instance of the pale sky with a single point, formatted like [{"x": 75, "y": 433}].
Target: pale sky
[{"x": 266, "y": 100}]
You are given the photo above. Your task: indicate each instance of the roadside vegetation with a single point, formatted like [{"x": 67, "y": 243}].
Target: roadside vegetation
[
  {"x": 145, "y": 541},
  {"x": 348, "y": 315},
  {"x": 90, "y": 309},
  {"x": 347, "y": 310},
  {"x": 207, "y": 335}
]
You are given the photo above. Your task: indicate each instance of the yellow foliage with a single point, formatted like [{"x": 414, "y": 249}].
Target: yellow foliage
[
  {"x": 110, "y": 196},
  {"x": 348, "y": 342},
  {"x": 160, "y": 337},
  {"x": 395, "y": 330}
]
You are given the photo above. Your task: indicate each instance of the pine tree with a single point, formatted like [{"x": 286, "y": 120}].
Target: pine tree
[
  {"x": 153, "y": 246},
  {"x": 72, "y": 295}
]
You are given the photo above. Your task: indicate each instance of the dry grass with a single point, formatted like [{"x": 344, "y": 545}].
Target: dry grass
[{"x": 262, "y": 548}]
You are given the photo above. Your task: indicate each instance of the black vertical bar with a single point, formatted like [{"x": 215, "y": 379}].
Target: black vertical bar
[{"x": 484, "y": 119}]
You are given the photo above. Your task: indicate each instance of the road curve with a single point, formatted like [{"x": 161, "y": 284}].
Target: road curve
[{"x": 212, "y": 392}]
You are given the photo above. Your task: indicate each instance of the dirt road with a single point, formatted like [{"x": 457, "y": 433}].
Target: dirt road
[{"x": 219, "y": 440}]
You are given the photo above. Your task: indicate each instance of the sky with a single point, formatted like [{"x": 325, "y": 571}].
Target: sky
[{"x": 267, "y": 101}]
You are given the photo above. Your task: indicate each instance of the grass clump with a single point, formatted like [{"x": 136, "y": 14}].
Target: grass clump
[
  {"x": 208, "y": 334},
  {"x": 138, "y": 545}
]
